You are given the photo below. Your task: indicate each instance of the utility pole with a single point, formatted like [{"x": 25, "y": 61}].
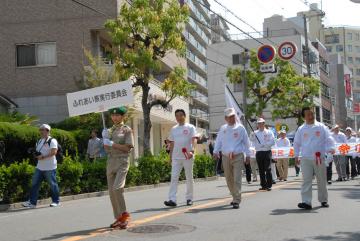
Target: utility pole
[
  {"x": 306, "y": 50},
  {"x": 244, "y": 60}
]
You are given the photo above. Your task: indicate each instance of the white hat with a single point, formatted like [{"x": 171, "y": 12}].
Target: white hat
[
  {"x": 282, "y": 131},
  {"x": 335, "y": 126},
  {"x": 45, "y": 126},
  {"x": 348, "y": 129},
  {"x": 229, "y": 112},
  {"x": 260, "y": 120}
]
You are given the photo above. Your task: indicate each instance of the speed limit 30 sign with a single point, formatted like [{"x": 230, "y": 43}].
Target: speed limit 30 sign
[{"x": 287, "y": 50}]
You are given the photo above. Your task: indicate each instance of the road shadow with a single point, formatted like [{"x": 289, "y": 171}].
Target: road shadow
[
  {"x": 162, "y": 209},
  {"x": 277, "y": 212},
  {"x": 77, "y": 233},
  {"x": 338, "y": 236},
  {"x": 210, "y": 209},
  {"x": 350, "y": 193}
]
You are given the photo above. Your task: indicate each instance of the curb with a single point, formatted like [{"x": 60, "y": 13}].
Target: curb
[{"x": 42, "y": 202}]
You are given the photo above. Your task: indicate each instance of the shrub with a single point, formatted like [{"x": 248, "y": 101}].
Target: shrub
[
  {"x": 133, "y": 177},
  {"x": 17, "y": 181},
  {"x": 204, "y": 166},
  {"x": 154, "y": 169},
  {"x": 94, "y": 176},
  {"x": 70, "y": 172},
  {"x": 18, "y": 138}
]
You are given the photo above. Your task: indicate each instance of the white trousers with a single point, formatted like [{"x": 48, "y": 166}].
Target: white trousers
[
  {"x": 309, "y": 168},
  {"x": 273, "y": 171},
  {"x": 177, "y": 166}
]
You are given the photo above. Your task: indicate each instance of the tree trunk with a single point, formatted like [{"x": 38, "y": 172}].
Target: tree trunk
[{"x": 147, "y": 121}]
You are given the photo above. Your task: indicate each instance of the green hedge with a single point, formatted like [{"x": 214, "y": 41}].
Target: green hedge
[
  {"x": 81, "y": 177},
  {"x": 18, "y": 138}
]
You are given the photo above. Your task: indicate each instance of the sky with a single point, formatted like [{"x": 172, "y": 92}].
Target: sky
[{"x": 338, "y": 12}]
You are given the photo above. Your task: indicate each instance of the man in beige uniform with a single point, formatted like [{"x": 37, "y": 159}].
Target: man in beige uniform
[{"x": 118, "y": 142}]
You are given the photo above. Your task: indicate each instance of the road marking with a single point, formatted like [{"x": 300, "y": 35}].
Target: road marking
[{"x": 168, "y": 214}]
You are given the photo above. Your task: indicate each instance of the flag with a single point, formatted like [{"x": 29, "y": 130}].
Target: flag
[{"x": 231, "y": 103}]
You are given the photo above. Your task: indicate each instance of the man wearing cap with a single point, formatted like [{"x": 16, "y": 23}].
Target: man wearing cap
[
  {"x": 312, "y": 141},
  {"x": 350, "y": 159},
  {"x": 263, "y": 140},
  {"x": 283, "y": 163},
  {"x": 46, "y": 149},
  {"x": 234, "y": 144},
  {"x": 118, "y": 142},
  {"x": 182, "y": 144},
  {"x": 339, "y": 160}
]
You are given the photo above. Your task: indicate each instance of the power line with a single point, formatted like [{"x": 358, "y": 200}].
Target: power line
[{"x": 89, "y": 7}]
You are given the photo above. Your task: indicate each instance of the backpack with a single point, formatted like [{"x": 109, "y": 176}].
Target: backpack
[{"x": 59, "y": 153}]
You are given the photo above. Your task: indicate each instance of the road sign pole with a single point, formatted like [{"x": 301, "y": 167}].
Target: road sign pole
[{"x": 103, "y": 119}]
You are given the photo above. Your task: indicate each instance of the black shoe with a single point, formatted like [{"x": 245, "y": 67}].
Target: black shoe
[
  {"x": 268, "y": 189},
  {"x": 273, "y": 182},
  {"x": 189, "y": 202},
  {"x": 235, "y": 206},
  {"x": 305, "y": 206},
  {"x": 262, "y": 189},
  {"x": 339, "y": 180},
  {"x": 329, "y": 182},
  {"x": 170, "y": 203},
  {"x": 285, "y": 180},
  {"x": 249, "y": 182},
  {"x": 325, "y": 205}
]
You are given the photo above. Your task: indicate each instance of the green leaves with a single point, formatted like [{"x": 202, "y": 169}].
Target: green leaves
[{"x": 287, "y": 92}]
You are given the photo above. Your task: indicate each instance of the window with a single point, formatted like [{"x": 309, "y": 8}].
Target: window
[
  {"x": 357, "y": 60},
  {"x": 326, "y": 114},
  {"x": 325, "y": 91},
  {"x": 236, "y": 59},
  {"x": 349, "y": 48},
  {"x": 352, "y": 71},
  {"x": 357, "y": 36},
  {"x": 39, "y": 54},
  {"x": 332, "y": 39},
  {"x": 349, "y": 36},
  {"x": 339, "y": 48},
  {"x": 317, "y": 113},
  {"x": 350, "y": 60},
  {"x": 356, "y": 95},
  {"x": 358, "y": 72},
  {"x": 329, "y": 48},
  {"x": 358, "y": 83},
  {"x": 357, "y": 49}
]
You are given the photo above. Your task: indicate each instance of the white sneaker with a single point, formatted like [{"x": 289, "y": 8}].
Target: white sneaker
[
  {"x": 54, "y": 205},
  {"x": 28, "y": 204}
]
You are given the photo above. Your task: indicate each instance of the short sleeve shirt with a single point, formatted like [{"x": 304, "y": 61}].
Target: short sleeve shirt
[
  {"x": 121, "y": 135},
  {"x": 182, "y": 136},
  {"x": 44, "y": 147}
]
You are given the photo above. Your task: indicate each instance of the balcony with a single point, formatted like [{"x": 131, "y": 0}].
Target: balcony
[
  {"x": 199, "y": 98},
  {"x": 194, "y": 77},
  {"x": 199, "y": 114}
]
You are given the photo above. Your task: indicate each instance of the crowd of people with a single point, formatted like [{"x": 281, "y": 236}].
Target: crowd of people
[{"x": 314, "y": 149}]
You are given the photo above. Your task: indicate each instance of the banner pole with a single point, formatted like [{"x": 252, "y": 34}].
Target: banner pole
[{"x": 103, "y": 119}]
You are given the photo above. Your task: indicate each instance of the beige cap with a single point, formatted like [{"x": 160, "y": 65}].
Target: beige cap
[
  {"x": 229, "y": 112},
  {"x": 260, "y": 120},
  {"x": 45, "y": 126},
  {"x": 335, "y": 126}
]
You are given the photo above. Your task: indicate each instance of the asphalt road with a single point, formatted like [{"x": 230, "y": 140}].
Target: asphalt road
[{"x": 268, "y": 216}]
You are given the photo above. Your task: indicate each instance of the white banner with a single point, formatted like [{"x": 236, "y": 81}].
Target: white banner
[
  {"x": 231, "y": 103},
  {"x": 350, "y": 149},
  {"x": 100, "y": 99}
]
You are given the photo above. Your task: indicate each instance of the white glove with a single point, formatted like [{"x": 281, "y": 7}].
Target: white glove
[
  {"x": 105, "y": 134},
  {"x": 107, "y": 142}
]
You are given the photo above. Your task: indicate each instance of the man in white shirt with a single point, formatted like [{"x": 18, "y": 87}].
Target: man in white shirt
[
  {"x": 350, "y": 159},
  {"x": 182, "y": 143},
  {"x": 46, "y": 149},
  {"x": 233, "y": 142},
  {"x": 263, "y": 140},
  {"x": 283, "y": 163},
  {"x": 339, "y": 160},
  {"x": 312, "y": 141},
  {"x": 94, "y": 146}
]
